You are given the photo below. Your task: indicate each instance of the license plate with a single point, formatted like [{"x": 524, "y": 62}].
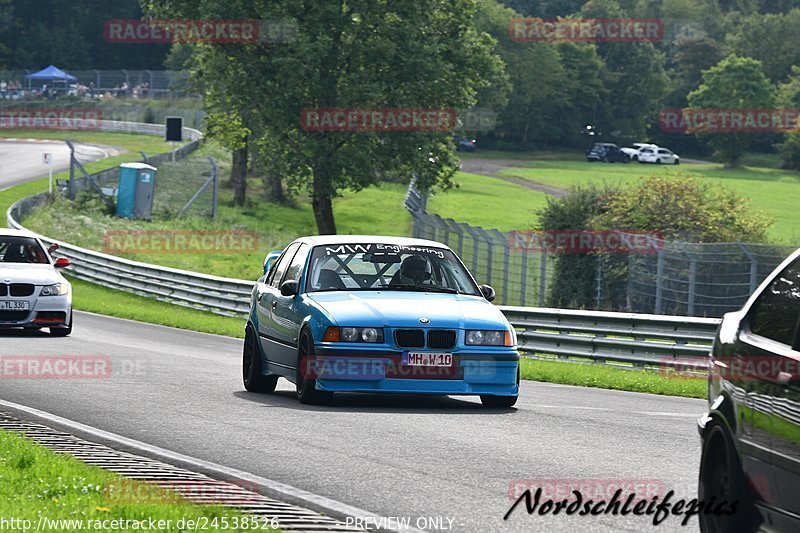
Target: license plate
[
  {"x": 428, "y": 359},
  {"x": 14, "y": 305}
]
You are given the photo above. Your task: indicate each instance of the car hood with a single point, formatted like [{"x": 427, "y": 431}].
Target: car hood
[
  {"x": 404, "y": 309},
  {"x": 27, "y": 273}
]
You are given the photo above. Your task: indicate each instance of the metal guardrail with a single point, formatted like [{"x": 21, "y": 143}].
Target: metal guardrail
[
  {"x": 635, "y": 339},
  {"x": 682, "y": 343}
]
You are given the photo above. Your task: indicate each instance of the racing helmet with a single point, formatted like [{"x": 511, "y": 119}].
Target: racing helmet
[{"x": 416, "y": 267}]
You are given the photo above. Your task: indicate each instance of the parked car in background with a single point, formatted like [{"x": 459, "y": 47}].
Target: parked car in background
[
  {"x": 464, "y": 144},
  {"x": 606, "y": 153},
  {"x": 659, "y": 156},
  {"x": 633, "y": 152},
  {"x": 751, "y": 433}
]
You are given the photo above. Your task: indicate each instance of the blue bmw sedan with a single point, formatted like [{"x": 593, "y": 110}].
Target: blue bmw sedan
[{"x": 373, "y": 314}]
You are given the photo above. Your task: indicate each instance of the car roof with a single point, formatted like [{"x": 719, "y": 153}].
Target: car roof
[
  {"x": 322, "y": 240},
  {"x": 5, "y": 232}
]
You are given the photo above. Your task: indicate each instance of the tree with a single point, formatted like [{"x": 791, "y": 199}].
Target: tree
[
  {"x": 362, "y": 54},
  {"x": 770, "y": 39},
  {"x": 734, "y": 83}
]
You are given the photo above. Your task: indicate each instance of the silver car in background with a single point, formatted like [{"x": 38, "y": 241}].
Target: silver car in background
[{"x": 33, "y": 293}]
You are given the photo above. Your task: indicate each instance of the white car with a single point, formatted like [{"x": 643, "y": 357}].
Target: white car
[
  {"x": 637, "y": 147},
  {"x": 659, "y": 156},
  {"x": 33, "y": 294}
]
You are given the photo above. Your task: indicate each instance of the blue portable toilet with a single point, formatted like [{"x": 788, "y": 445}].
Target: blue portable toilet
[{"x": 135, "y": 191}]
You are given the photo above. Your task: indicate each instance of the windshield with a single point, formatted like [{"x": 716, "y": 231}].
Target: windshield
[
  {"x": 21, "y": 250},
  {"x": 376, "y": 266}
]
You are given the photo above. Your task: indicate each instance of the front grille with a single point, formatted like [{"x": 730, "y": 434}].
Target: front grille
[
  {"x": 13, "y": 316},
  {"x": 441, "y": 338},
  {"x": 409, "y": 338},
  {"x": 16, "y": 289},
  {"x": 21, "y": 289}
]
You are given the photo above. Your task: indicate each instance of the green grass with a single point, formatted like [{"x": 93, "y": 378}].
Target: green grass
[
  {"x": 104, "y": 301},
  {"x": 770, "y": 190},
  {"x": 149, "y": 144},
  {"x": 608, "y": 377},
  {"x": 37, "y": 482},
  {"x": 488, "y": 202}
]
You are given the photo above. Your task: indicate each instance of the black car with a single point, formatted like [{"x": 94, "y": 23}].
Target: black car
[
  {"x": 751, "y": 433},
  {"x": 607, "y": 153}
]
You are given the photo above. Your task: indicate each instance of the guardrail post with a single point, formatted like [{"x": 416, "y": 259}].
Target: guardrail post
[
  {"x": 524, "y": 278},
  {"x": 215, "y": 187},
  {"x": 753, "y": 267},
  {"x": 542, "y": 277},
  {"x": 659, "y": 282}
]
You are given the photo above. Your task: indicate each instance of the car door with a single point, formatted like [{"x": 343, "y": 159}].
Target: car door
[
  {"x": 265, "y": 299},
  {"x": 286, "y": 316},
  {"x": 771, "y": 335},
  {"x": 666, "y": 156}
]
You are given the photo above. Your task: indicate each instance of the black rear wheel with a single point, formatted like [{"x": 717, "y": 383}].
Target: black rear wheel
[
  {"x": 254, "y": 380},
  {"x": 722, "y": 480}
]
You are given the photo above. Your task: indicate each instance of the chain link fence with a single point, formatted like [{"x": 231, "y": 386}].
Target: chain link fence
[
  {"x": 106, "y": 83},
  {"x": 687, "y": 279}
]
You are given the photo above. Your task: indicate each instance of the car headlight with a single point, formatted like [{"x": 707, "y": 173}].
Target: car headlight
[
  {"x": 348, "y": 334},
  {"x": 481, "y": 337},
  {"x": 57, "y": 289}
]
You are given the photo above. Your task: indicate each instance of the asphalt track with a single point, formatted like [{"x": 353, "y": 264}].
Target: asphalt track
[
  {"x": 21, "y": 160},
  {"x": 396, "y": 456}
]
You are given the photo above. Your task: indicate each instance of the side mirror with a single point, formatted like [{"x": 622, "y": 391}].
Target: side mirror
[
  {"x": 289, "y": 287},
  {"x": 52, "y": 248},
  {"x": 270, "y": 259},
  {"x": 488, "y": 292},
  {"x": 62, "y": 262}
]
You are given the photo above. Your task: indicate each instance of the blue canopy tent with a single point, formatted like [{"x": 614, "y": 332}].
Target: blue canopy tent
[{"x": 51, "y": 74}]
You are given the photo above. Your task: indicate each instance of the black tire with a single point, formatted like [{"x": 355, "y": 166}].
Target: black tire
[
  {"x": 677, "y": 162},
  {"x": 635, "y": 158},
  {"x": 501, "y": 402},
  {"x": 658, "y": 161},
  {"x": 307, "y": 391},
  {"x": 63, "y": 331},
  {"x": 498, "y": 402},
  {"x": 722, "y": 480},
  {"x": 252, "y": 377},
  {"x": 626, "y": 160}
]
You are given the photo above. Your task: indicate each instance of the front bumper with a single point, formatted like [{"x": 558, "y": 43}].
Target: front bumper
[
  {"x": 43, "y": 312},
  {"x": 383, "y": 371}
]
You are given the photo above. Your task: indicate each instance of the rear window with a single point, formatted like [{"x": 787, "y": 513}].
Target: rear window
[{"x": 15, "y": 249}]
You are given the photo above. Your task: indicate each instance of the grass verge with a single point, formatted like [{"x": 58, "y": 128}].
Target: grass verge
[
  {"x": 120, "y": 304},
  {"x": 608, "y": 377},
  {"x": 38, "y": 484}
]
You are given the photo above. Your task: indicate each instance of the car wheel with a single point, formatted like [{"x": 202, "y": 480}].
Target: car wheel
[
  {"x": 254, "y": 380},
  {"x": 626, "y": 160},
  {"x": 722, "y": 480},
  {"x": 677, "y": 162},
  {"x": 635, "y": 158},
  {"x": 499, "y": 402},
  {"x": 307, "y": 386},
  {"x": 658, "y": 161},
  {"x": 63, "y": 331}
]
